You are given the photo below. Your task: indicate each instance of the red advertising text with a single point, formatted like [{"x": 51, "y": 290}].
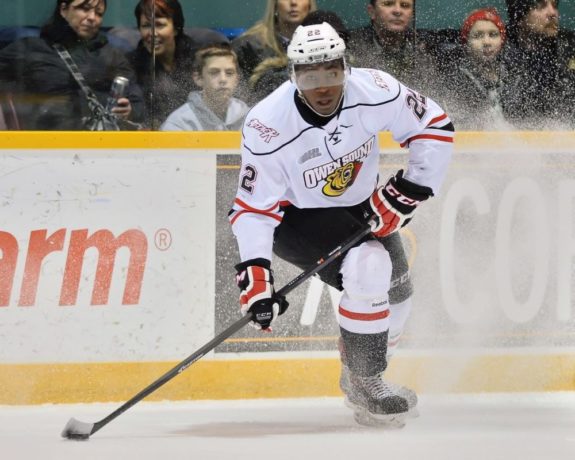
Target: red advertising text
[{"x": 40, "y": 245}]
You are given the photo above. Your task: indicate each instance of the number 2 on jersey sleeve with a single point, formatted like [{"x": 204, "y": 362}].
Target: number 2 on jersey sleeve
[
  {"x": 248, "y": 178},
  {"x": 417, "y": 103}
]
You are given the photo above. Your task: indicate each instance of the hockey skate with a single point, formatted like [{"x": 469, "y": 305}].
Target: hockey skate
[
  {"x": 392, "y": 393},
  {"x": 372, "y": 400}
]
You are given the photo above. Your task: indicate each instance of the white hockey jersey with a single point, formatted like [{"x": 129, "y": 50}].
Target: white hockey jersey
[{"x": 286, "y": 160}]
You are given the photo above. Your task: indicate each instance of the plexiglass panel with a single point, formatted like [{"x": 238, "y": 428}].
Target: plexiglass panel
[{"x": 95, "y": 64}]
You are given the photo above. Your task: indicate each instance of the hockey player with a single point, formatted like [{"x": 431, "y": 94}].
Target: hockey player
[{"x": 309, "y": 179}]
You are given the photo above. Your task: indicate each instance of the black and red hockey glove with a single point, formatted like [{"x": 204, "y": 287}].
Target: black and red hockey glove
[
  {"x": 393, "y": 204},
  {"x": 255, "y": 279}
]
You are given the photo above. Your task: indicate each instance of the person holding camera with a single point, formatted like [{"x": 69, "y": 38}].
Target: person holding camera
[{"x": 62, "y": 79}]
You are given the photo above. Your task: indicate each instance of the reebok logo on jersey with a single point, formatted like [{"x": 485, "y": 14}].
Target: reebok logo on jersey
[
  {"x": 339, "y": 174},
  {"x": 267, "y": 134}
]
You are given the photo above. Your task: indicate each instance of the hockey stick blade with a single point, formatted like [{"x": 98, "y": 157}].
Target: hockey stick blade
[{"x": 78, "y": 430}]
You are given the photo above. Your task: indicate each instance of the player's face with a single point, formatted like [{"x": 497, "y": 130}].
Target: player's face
[
  {"x": 391, "y": 15},
  {"x": 160, "y": 39},
  {"x": 219, "y": 79},
  {"x": 484, "y": 42},
  {"x": 321, "y": 85},
  {"x": 292, "y": 11},
  {"x": 84, "y": 17},
  {"x": 543, "y": 19}
]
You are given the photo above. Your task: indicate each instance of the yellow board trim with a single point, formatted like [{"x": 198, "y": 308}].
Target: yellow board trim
[
  {"x": 231, "y": 140},
  {"x": 223, "y": 140},
  {"x": 123, "y": 140},
  {"x": 286, "y": 378}
]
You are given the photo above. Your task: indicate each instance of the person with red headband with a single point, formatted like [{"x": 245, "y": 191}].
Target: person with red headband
[
  {"x": 474, "y": 84},
  {"x": 540, "y": 57}
]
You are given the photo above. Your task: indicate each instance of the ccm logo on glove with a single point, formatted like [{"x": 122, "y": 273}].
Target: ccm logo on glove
[
  {"x": 393, "y": 204},
  {"x": 393, "y": 192},
  {"x": 257, "y": 295}
]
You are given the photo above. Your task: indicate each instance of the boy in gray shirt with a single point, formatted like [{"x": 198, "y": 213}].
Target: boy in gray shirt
[{"x": 213, "y": 108}]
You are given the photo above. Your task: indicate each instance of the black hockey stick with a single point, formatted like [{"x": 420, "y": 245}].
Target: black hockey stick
[{"x": 78, "y": 430}]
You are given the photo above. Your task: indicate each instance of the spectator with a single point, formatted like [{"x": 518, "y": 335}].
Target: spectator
[
  {"x": 267, "y": 76},
  {"x": 540, "y": 57},
  {"x": 474, "y": 84},
  {"x": 273, "y": 71},
  {"x": 214, "y": 108},
  {"x": 46, "y": 95},
  {"x": 389, "y": 43},
  {"x": 270, "y": 36},
  {"x": 164, "y": 57}
]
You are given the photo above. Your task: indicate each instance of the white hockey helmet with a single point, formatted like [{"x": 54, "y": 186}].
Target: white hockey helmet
[
  {"x": 311, "y": 45},
  {"x": 314, "y": 44}
]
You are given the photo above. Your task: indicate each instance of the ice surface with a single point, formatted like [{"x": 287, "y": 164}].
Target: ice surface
[{"x": 472, "y": 427}]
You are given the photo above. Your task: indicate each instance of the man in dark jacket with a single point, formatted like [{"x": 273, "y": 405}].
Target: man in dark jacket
[
  {"x": 540, "y": 58},
  {"x": 389, "y": 43}
]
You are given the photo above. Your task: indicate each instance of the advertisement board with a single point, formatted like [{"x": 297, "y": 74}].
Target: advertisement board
[
  {"x": 117, "y": 261},
  {"x": 106, "y": 255}
]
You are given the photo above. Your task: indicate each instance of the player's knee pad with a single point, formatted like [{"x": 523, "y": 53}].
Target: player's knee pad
[
  {"x": 364, "y": 305},
  {"x": 366, "y": 271}
]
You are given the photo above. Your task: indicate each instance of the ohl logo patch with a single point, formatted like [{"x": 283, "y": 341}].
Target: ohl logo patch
[{"x": 341, "y": 179}]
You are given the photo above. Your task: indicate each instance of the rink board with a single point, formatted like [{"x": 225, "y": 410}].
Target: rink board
[
  {"x": 116, "y": 262},
  {"x": 279, "y": 378}
]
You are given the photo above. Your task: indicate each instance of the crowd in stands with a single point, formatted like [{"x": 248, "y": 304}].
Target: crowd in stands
[{"x": 491, "y": 74}]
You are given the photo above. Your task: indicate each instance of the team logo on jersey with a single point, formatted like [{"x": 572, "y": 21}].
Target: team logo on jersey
[
  {"x": 267, "y": 134},
  {"x": 341, "y": 179},
  {"x": 339, "y": 174}
]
